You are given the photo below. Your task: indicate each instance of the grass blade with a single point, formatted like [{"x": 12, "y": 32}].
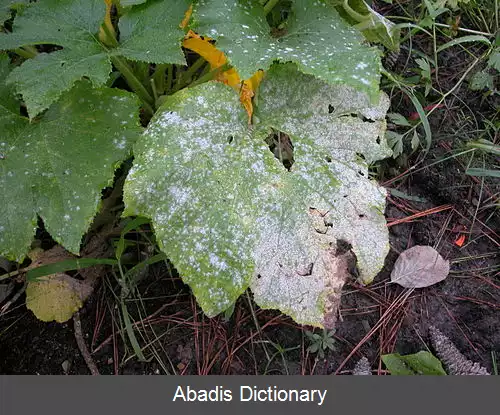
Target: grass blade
[
  {"x": 464, "y": 39},
  {"x": 131, "y": 334},
  {"x": 67, "y": 265},
  {"x": 486, "y": 146},
  {"x": 482, "y": 172},
  {"x": 423, "y": 118}
]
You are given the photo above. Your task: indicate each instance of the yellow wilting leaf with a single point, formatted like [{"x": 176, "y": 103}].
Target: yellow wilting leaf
[
  {"x": 56, "y": 297},
  {"x": 109, "y": 25},
  {"x": 216, "y": 59}
]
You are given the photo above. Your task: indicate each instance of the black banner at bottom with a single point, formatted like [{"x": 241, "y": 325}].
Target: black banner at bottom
[{"x": 64, "y": 395}]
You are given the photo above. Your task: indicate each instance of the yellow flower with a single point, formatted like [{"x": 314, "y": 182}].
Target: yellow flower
[
  {"x": 109, "y": 25},
  {"x": 216, "y": 59}
]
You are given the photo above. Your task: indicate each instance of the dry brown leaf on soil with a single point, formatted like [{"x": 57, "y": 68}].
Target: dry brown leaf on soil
[{"x": 420, "y": 266}]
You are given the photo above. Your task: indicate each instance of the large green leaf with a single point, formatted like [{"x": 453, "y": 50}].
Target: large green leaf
[
  {"x": 74, "y": 25},
  {"x": 230, "y": 215},
  {"x": 315, "y": 38},
  {"x": 57, "y": 167},
  {"x": 151, "y": 32},
  {"x": 198, "y": 188}
]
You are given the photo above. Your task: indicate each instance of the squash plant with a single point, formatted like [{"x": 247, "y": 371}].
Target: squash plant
[{"x": 77, "y": 77}]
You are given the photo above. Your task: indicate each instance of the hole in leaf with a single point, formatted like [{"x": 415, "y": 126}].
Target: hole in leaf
[
  {"x": 259, "y": 276},
  {"x": 361, "y": 216},
  {"x": 331, "y": 109},
  {"x": 361, "y": 173},
  {"x": 328, "y": 159},
  {"x": 48, "y": 48},
  {"x": 343, "y": 247},
  {"x": 378, "y": 140},
  {"x": 360, "y": 116},
  {"x": 230, "y": 139},
  {"x": 278, "y": 16},
  {"x": 281, "y": 146}
]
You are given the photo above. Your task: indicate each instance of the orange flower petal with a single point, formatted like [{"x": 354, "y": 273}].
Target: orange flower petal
[
  {"x": 216, "y": 59},
  {"x": 107, "y": 22},
  {"x": 187, "y": 16}
]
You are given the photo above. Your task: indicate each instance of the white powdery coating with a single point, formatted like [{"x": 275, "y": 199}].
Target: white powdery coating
[
  {"x": 180, "y": 181},
  {"x": 316, "y": 39},
  {"x": 355, "y": 205},
  {"x": 228, "y": 213}
]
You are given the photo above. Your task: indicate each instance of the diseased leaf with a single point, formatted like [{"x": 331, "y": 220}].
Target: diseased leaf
[
  {"x": 57, "y": 296},
  {"x": 51, "y": 67},
  {"x": 57, "y": 167},
  {"x": 230, "y": 215},
  {"x": 74, "y": 25},
  {"x": 315, "y": 38},
  {"x": 420, "y": 266}
]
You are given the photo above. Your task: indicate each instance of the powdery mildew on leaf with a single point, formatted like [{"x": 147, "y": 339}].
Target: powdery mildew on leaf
[
  {"x": 327, "y": 129},
  {"x": 151, "y": 33},
  {"x": 57, "y": 167},
  {"x": 197, "y": 174},
  {"x": 316, "y": 39},
  {"x": 230, "y": 215}
]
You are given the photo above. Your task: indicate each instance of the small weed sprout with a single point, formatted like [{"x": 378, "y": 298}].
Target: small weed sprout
[{"x": 320, "y": 343}]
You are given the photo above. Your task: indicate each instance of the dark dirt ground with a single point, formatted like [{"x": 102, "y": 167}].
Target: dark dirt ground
[{"x": 177, "y": 338}]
